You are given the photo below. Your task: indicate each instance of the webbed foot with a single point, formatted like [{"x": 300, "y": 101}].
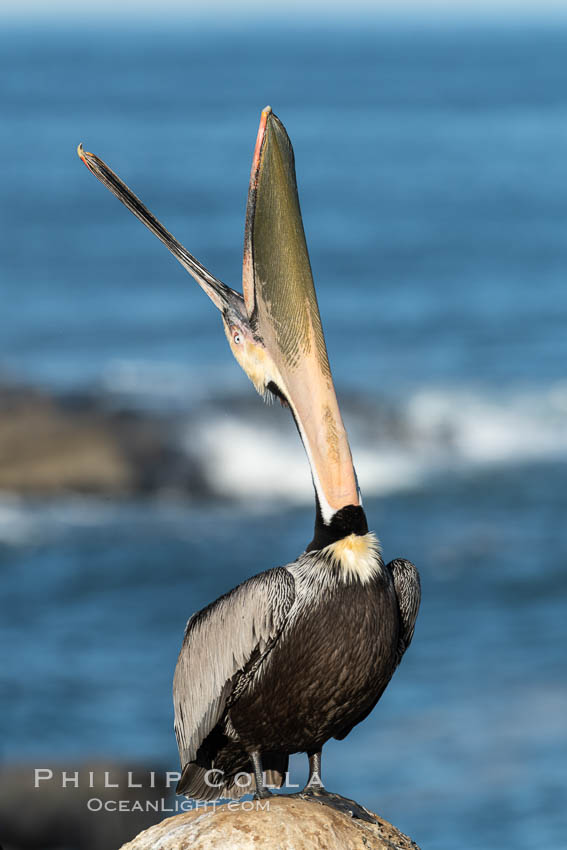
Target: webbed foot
[
  {"x": 262, "y": 794},
  {"x": 335, "y": 801}
]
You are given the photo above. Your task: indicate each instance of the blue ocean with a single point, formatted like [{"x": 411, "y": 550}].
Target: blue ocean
[{"x": 432, "y": 170}]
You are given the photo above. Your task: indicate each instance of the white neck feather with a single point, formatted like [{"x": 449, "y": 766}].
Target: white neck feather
[{"x": 357, "y": 556}]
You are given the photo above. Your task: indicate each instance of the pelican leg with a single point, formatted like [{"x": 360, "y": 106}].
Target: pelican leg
[
  {"x": 261, "y": 790},
  {"x": 315, "y": 791},
  {"x": 314, "y": 782}
]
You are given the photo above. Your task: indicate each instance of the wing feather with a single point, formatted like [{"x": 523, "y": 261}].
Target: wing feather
[
  {"x": 219, "y": 641},
  {"x": 408, "y": 593}
]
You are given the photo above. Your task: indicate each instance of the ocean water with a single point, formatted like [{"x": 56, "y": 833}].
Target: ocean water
[{"x": 433, "y": 179}]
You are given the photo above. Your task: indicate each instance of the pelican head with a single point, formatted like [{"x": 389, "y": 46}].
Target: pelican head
[{"x": 274, "y": 328}]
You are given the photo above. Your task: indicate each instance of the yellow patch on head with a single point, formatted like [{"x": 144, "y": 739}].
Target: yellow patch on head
[
  {"x": 253, "y": 361},
  {"x": 357, "y": 556},
  {"x": 252, "y": 358}
]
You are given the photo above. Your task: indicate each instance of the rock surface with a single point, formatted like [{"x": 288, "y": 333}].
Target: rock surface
[
  {"x": 284, "y": 824},
  {"x": 55, "y": 445}
]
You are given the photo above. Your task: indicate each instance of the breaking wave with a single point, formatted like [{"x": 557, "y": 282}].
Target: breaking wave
[
  {"x": 396, "y": 445},
  {"x": 238, "y": 450}
]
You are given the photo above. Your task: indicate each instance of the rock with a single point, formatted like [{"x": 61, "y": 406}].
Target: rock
[
  {"x": 80, "y": 811},
  {"x": 52, "y": 445},
  {"x": 279, "y": 823},
  {"x": 45, "y": 449}
]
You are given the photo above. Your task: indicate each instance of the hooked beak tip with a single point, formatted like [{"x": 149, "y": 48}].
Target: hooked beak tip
[
  {"x": 83, "y": 154},
  {"x": 259, "y": 140}
]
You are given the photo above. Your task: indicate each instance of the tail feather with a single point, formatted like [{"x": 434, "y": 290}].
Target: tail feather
[{"x": 214, "y": 782}]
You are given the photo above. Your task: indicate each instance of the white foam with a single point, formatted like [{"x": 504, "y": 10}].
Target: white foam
[
  {"x": 24, "y": 522},
  {"x": 16, "y": 524},
  {"x": 254, "y": 455},
  {"x": 243, "y": 459},
  {"x": 247, "y": 456},
  {"x": 491, "y": 428}
]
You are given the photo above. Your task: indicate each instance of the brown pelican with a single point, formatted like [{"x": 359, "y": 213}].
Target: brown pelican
[{"x": 297, "y": 654}]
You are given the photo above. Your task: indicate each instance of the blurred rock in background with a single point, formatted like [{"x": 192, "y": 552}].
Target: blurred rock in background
[{"x": 52, "y": 817}]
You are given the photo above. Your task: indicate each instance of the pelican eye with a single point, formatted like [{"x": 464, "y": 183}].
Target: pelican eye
[{"x": 237, "y": 337}]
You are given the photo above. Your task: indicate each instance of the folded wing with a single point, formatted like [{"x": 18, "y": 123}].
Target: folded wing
[{"x": 220, "y": 642}]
